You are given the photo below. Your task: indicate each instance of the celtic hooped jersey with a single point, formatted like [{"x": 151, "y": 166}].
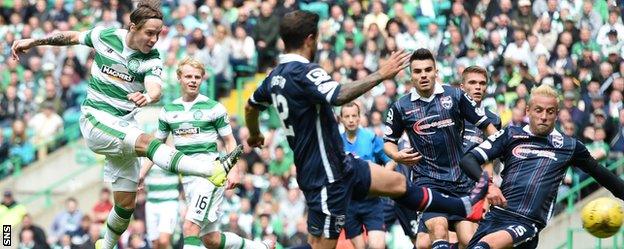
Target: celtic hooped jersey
[
  {"x": 117, "y": 70},
  {"x": 195, "y": 125}
]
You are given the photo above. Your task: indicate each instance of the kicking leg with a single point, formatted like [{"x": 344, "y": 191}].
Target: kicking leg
[
  {"x": 385, "y": 182},
  {"x": 175, "y": 161}
]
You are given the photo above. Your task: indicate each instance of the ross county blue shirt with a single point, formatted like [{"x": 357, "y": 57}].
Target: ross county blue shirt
[
  {"x": 533, "y": 167},
  {"x": 303, "y": 95},
  {"x": 435, "y": 126},
  {"x": 367, "y": 146}
]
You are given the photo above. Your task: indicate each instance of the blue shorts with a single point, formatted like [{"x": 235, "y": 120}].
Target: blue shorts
[
  {"x": 408, "y": 219},
  {"x": 523, "y": 231},
  {"x": 327, "y": 206},
  {"x": 364, "y": 213}
]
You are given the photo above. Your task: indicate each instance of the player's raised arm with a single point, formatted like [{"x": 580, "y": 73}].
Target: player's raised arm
[
  {"x": 584, "y": 161},
  {"x": 393, "y": 65},
  {"x": 63, "y": 38}
]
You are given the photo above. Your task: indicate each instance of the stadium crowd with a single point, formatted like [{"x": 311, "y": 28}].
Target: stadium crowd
[{"x": 573, "y": 45}]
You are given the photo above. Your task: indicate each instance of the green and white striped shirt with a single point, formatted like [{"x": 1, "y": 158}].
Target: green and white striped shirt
[
  {"x": 195, "y": 125},
  {"x": 117, "y": 70},
  {"x": 161, "y": 185}
]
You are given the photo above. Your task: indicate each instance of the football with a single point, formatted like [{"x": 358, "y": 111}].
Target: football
[{"x": 602, "y": 217}]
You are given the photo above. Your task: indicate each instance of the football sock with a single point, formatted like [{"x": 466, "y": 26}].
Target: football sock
[
  {"x": 233, "y": 241},
  {"x": 175, "y": 161},
  {"x": 481, "y": 245},
  {"x": 440, "y": 244},
  {"x": 116, "y": 224},
  {"x": 423, "y": 198},
  {"x": 192, "y": 242}
]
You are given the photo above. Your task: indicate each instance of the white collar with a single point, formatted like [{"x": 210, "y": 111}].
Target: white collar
[
  {"x": 199, "y": 97},
  {"x": 438, "y": 89},
  {"x": 285, "y": 58},
  {"x": 554, "y": 132}
]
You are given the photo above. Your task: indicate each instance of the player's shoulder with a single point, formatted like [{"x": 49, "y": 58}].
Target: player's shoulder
[
  {"x": 365, "y": 133},
  {"x": 494, "y": 118},
  {"x": 403, "y": 100},
  {"x": 205, "y": 103},
  {"x": 510, "y": 132},
  {"x": 173, "y": 106}
]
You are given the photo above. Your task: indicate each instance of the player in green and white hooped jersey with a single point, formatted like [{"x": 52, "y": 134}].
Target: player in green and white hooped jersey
[
  {"x": 125, "y": 76},
  {"x": 196, "y": 123}
]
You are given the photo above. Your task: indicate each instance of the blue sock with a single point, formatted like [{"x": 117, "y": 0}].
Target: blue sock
[
  {"x": 303, "y": 246},
  {"x": 454, "y": 245},
  {"x": 481, "y": 245},
  {"x": 440, "y": 244},
  {"x": 422, "y": 198}
]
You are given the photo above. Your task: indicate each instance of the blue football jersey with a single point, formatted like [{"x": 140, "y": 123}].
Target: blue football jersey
[
  {"x": 367, "y": 146},
  {"x": 533, "y": 167},
  {"x": 303, "y": 95},
  {"x": 435, "y": 127}
]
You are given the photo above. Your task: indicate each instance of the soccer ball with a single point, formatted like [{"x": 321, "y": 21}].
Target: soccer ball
[{"x": 602, "y": 217}]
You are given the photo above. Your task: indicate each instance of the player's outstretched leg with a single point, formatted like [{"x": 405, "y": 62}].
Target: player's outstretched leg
[
  {"x": 385, "y": 182},
  {"x": 175, "y": 161},
  {"x": 422, "y": 198}
]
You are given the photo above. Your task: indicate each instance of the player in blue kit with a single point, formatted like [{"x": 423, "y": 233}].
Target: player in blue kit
[
  {"x": 536, "y": 158},
  {"x": 363, "y": 213},
  {"x": 474, "y": 83},
  {"x": 433, "y": 117},
  {"x": 303, "y": 95}
]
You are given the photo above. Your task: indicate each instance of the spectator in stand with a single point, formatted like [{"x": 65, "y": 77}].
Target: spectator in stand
[
  {"x": 266, "y": 34},
  {"x": 281, "y": 163},
  {"x": 4, "y": 147},
  {"x": 27, "y": 241},
  {"x": 22, "y": 150},
  {"x": 67, "y": 221},
  {"x": 102, "y": 206},
  {"x": 81, "y": 236},
  {"x": 10, "y": 106},
  {"x": 48, "y": 127},
  {"x": 11, "y": 212},
  {"x": 38, "y": 234}
]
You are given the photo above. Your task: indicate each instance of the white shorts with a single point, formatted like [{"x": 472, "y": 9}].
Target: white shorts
[
  {"x": 115, "y": 138},
  {"x": 160, "y": 217},
  {"x": 203, "y": 203}
]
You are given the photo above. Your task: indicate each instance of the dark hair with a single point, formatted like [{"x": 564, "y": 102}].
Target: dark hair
[
  {"x": 422, "y": 54},
  {"x": 474, "y": 69},
  {"x": 350, "y": 104},
  {"x": 146, "y": 9},
  {"x": 296, "y": 26}
]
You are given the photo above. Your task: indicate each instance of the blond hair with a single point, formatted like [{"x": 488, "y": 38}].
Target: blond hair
[
  {"x": 195, "y": 63},
  {"x": 545, "y": 91}
]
